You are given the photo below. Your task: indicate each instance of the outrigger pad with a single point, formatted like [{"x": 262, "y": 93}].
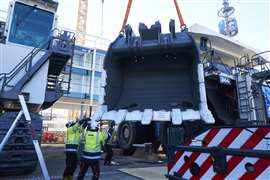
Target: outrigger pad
[{"x": 157, "y": 71}]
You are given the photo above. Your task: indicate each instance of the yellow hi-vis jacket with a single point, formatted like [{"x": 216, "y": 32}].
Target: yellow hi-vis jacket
[
  {"x": 93, "y": 142},
  {"x": 73, "y": 137}
]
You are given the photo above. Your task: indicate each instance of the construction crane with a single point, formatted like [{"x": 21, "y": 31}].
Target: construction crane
[{"x": 82, "y": 21}]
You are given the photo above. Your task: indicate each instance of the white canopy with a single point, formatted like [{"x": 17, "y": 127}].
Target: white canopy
[{"x": 227, "y": 47}]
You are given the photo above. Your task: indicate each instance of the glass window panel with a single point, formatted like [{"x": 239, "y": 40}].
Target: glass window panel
[
  {"x": 86, "y": 80},
  {"x": 75, "y": 87},
  {"x": 76, "y": 78},
  {"x": 88, "y": 60},
  {"x": 96, "y": 90},
  {"x": 97, "y": 82},
  {"x": 99, "y": 62},
  {"x": 83, "y": 59},
  {"x": 28, "y": 27},
  {"x": 78, "y": 58}
]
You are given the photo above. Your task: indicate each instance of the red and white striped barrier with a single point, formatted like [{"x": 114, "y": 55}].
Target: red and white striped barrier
[{"x": 237, "y": 166}]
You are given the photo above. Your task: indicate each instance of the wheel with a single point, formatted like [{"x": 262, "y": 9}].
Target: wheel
[
  {"x": 129, "y": 133},
  {"x": 126, "y": 135}
]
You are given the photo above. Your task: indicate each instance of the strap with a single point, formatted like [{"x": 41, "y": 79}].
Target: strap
[
  {"x": 97, "y": 138},
  {"x": 75, "y": 136},
  {"x": 180, "y": 17},
  {"x": 126, "y": 16}
]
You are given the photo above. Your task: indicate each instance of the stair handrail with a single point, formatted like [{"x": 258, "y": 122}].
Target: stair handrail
[
  {"x": 26, "y": 58},
  {"x": 22, "y": 64}
]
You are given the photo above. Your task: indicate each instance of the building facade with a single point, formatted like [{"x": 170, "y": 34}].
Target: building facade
[{"x": 87, "y": 69}]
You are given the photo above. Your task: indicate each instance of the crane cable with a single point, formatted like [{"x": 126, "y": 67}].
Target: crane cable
[{"x": 180, "y": 17}]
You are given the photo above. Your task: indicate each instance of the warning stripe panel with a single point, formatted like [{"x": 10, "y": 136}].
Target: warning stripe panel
[
  {"x": 225, "y": 143},
  {"x": 208, "y": 138},
  {"x": 178, "y": 155},
  {"x": 265, "y": 174},
  {"x": 179, "y": 160},
  {"x": 260, "y": 166},
  {"x": 240, "y": 169},
  {"x": 256, "y": 137},
  {"x": 253, "y": 138},
  {"x": 203, "y": 156}
]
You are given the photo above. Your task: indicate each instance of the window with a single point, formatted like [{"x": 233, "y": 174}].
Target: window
[
  {"x": 76, "y": 83},
  {"x": 30, "y": 26},
  {"x": 97, "y": 85},
  {"x": 99, "y": 62},
  {"x": 78, "y": 58},
  {"x": 80, "y": 83},
  {"x": 88, "y": 60},
  {"x": 83, "y": 59},
  {"x": 86, "y": 84}
]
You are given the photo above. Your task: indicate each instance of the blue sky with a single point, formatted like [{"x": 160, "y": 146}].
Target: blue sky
[{"x": 253, "y": 16}]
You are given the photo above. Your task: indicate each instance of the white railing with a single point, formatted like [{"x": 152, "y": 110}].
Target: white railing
[
  {"x": 91, "y": 41},
  {"x": 3, "y": 15}
]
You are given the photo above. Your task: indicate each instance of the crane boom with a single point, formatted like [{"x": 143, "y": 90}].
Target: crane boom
[{"x": 82, "y": 21}]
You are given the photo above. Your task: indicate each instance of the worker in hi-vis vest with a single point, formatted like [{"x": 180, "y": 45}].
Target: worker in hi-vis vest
[
  {"x": 111, "y": 134},
  {"x": 74, "y": 130},
  {"x": 94, "y": 140}
]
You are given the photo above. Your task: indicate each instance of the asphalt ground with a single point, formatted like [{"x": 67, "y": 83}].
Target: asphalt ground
[{"x": 54, "y": 156}]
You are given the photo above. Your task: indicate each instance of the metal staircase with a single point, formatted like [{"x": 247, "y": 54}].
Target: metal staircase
[
  {"x": 57, "y": 50},
  {"x": 248, "y": 84},
  {"x": 25, "y": 64}
]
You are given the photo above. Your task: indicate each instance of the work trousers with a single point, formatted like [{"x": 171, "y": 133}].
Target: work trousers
[
  {"x": 71, "y": 164},
  {"x": 109, "y": 154},
  {"x": 85, "y": 163}
]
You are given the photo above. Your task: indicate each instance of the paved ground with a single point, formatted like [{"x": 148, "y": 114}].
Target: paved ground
[{"x": 55, "y": 160}]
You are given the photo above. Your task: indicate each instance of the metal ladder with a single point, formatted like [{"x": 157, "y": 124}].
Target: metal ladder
[
  {"x": 246, "y": 104},
  {"x": 243, "y": 96},
  {"x": 27, "y": 116}
]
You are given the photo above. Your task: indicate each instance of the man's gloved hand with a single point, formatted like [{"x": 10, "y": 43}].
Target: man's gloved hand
[{"x": 83, "y": 121}]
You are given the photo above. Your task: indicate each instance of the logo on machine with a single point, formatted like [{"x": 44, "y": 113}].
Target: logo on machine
[{"x": 197, "y": 142}]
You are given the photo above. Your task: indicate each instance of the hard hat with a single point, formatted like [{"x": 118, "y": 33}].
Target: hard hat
[
  {"x": 69, "y": 123},
  {"x": 93, "y": 125}
]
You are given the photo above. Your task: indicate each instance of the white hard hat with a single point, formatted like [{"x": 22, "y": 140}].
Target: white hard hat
[
  {"x": 69, "y": 122},
  {"x": 94, "y": 124}
]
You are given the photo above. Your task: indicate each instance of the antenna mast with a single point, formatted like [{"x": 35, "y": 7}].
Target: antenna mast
[{"x": 228, "y": 24}]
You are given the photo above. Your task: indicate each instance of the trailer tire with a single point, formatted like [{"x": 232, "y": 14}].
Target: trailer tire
[{"x": 126, "y": 135}]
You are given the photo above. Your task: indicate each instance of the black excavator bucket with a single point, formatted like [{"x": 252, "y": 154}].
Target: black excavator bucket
[{"x": 152, "y": 71}]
